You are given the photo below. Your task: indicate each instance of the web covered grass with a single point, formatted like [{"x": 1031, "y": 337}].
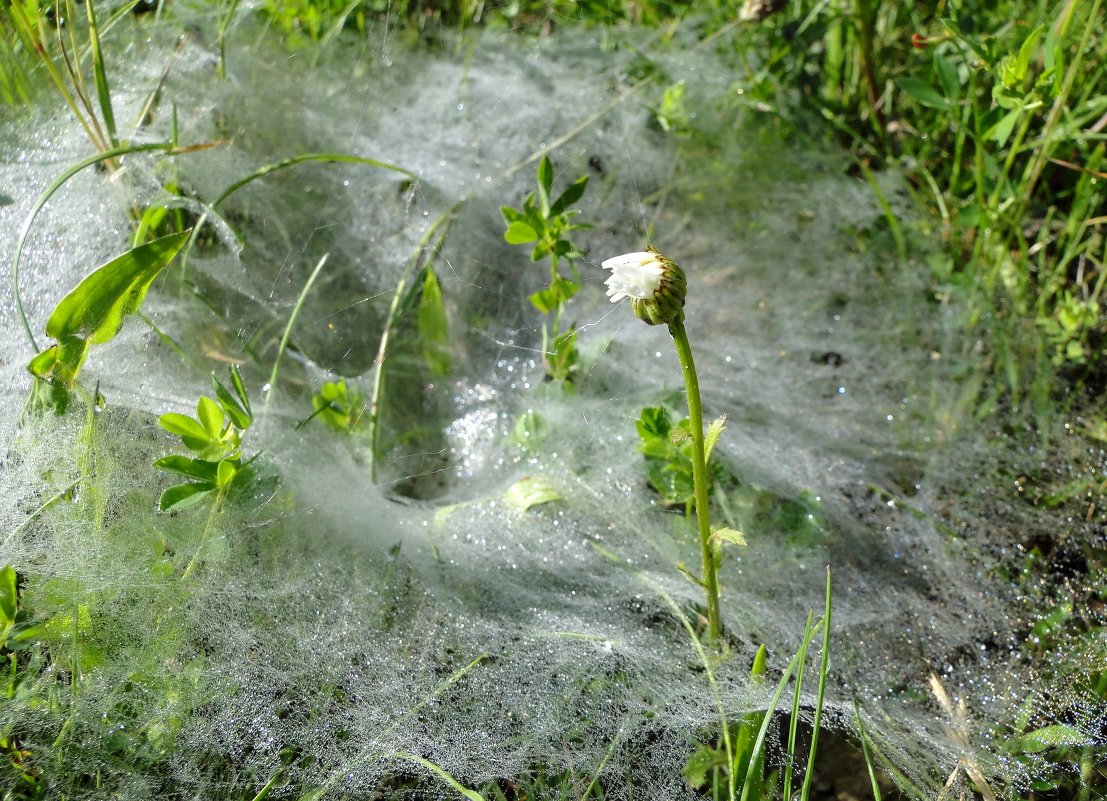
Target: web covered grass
[{"x": 334, "y": 631}]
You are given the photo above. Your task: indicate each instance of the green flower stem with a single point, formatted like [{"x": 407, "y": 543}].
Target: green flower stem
[{"x": 699, "y": 474}]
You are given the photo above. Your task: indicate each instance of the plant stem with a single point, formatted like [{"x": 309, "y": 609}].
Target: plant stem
[
  {"x": 699, "y": 476},
  {"x": 216, "y": 505}
]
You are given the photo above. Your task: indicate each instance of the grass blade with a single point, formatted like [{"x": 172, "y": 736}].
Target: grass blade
[{"x": 288, "y": 331}]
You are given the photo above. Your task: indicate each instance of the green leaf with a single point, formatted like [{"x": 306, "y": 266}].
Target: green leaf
[
  {"x": 571, "y": 195},
  {"x": 240, "y": 390},
  {"x": 184, "y": 495},
  {"x": 183, "y": 426},
  {"x": 1056, "y": 736},
  {"x": 1000, "y": 132},
  {"x": 923, "y": 93},
  {"x": 211, "y": 417},
  {"x": 548, "y": 300},
  {"x": 531, "y": 491},
  {"x": 434, "y": 327},
  {"x": 714, "y": 430},
  {"x": 8, "y": 596},
  {"x": 530, "y": 430},
  {"x": 511, "y": 215},
  {"x": 723, "y": 534},
  {"x": 93, "y": 312},
  {"x": 199, "y": 469},
  {"x": 237, "y": 409},
  {"x": 98, "y": 304},
  {"x": 760, "y": 662},
  {"x": 653, "y": 422},
  {"x": 948, "y": 78},
  {"x": 545, "y": 181},
  {"x": 519, "y": 233},
  {"x": 226, "y": 472},
  {"x": 1013, "y": 69},
  {"x": 563, "y": 359}
]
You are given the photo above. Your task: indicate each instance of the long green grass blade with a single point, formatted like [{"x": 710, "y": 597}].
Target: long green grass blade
[
  {"x": 824, "y": 666},
  {"x": 325, "y": 158},
  {"x": 100, "y": 75},
  {"x": 275, "y": 372}
]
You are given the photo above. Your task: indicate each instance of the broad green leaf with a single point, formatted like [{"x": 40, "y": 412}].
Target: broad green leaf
[
  {"x": 434, "y": 327},
  {"x": 199, "y": 469},
  {"x": 210, "y": 415},
  {"x": 93, "y": 312},
  {"x": 923, "y": 93},
  {"x": 183, "y": 426},
  {"x": 531, "y": 491},
  {"x": 8, "y": 597},
  {"x": 571, "y": 195},
  {"x": 95, "y": 309},
  {"x": 1056, "y": 736},
  {"x": 184, "y": 495},
  {"x": 714, "y": 430},
  {"x": 519, "y": 233}
]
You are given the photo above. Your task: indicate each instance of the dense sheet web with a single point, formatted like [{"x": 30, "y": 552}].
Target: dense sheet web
[{"x": 345, "y": 628}]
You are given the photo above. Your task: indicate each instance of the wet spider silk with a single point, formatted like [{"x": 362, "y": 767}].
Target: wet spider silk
[{"x": 339, "y": 626}]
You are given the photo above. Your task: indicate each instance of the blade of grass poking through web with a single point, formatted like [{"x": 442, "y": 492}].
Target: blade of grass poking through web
[
  {"x": 288, "y": 333},
  {"x": 100, "y": 75},
  {"x": 886, "y": 207},
  {"x": 464, "y": 791},
  {"x": 793, "y": 725},
  {"x": 866, "y": 753},
  {"x": 824, "y": 666},
  {"x": 759, "y": 743},
  {"x": 224, "y": 26},
  {"x": 57, "y": 183}
]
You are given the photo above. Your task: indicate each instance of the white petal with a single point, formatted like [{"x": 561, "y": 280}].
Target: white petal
[
  {"x": 627, "y": 259},
  {"x": 633, "y": 275}
]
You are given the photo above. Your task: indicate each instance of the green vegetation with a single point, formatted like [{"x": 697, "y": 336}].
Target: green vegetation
[
  {"x": 994, "y": 111},
  {"x": 546, "y": 223}
]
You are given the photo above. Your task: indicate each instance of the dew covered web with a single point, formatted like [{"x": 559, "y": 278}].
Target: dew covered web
[{"x": 346, "y": 629}]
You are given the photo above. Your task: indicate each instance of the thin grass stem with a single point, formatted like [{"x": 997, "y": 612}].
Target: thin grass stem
[{"x": 275, "y": 372}]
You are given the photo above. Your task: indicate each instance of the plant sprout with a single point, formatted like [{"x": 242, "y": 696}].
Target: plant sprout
[{"x": 657, "y": 287}]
